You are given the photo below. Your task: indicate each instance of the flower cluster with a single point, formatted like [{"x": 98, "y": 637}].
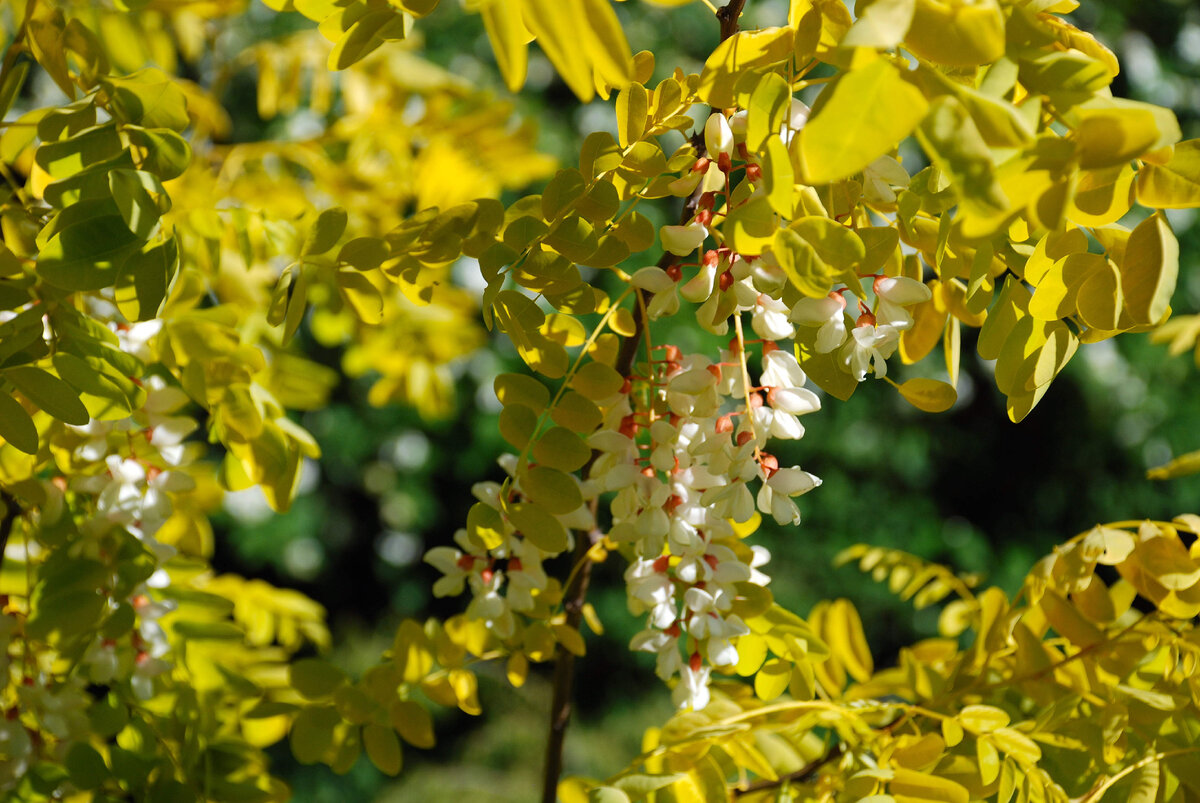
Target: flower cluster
[
  {"x": 726, "y": 281},
  {"x": 681, "y": 468}
]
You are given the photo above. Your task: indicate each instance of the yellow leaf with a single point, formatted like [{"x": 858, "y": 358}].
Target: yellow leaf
[
  {"x": 881, "y": 24},
  {"x": 1181, "y": 466},
  {"x": 1100, "y": 298},
  {"x": 957, "y": 33},
  {"x": 1174, "y": 184},
  {"x": 1017, "y": 745},
  {"x": 752, "y": 651},
  {"x": 844, "y": 633},
  {"x": 557, "y": 26},
  {"x": 1068, "y": 621},
  {"x": 1057, "y": 291},
  {"x": 1149, "y": 270},
  {"x": 929, "y": 395},
  {"x": 751, "y": 227},
  {"x": 908, "y": 786},
  {"x": 1111, "y": 131},
  {"x": 632, "y": 107},
  {"x": 740, "y": 53},
  {"x": 866, "y": 114},
  {"x": 767, "y": 110},
  {"x": 980, "y": 719},
  {"x": 772, "y": 679},
  {"x": 509, "y": 38},
  {"x": 605, "y": 42},
  {"x": 1102, "y": 196}
]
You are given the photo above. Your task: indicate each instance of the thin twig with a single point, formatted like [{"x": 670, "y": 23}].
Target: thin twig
[{"x": 801, "y": 775}]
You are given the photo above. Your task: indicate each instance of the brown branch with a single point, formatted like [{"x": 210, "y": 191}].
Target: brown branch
[
  {"x": 576, "y": 592},
  {"x": 11, "y": 511},
  {"x": 803, "y": 774}
]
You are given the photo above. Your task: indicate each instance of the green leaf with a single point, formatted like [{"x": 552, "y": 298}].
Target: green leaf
[
  {"x": 85, "y": 766},
  {"x": 521, "y": 389},
  {"x": 16, "y": 426},
  {"x": 50, "y": 393},
  {"x": 144, "y": 277},
  {"x": 485, "y": 526},
  {"x": 861, "y": 116},
  {"x": 597, "y": 381},
  {"x": 517, "y": 424}
]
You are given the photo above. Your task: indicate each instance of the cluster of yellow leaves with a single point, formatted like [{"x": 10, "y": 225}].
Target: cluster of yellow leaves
[{"x": 1086, "y": 684}]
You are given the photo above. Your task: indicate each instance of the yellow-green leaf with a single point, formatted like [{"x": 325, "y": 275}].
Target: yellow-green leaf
[
  {"x": 16, "y": 426},
  {"x": 412, "y": 721},
  {"x": 866, "y": 115},
  {"x": 554, "y": 490},
  {"x": 539, "y": 526},
  {"x": 521, "y": 389},
  {"x": 50, "y": 393},
  {"x": 383, "y": 748}
]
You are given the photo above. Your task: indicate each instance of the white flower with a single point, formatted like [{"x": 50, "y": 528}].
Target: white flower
[
  {"x": 135, "y": 339},
  {"x": 692, "y": 689},
  {"x": 797, "y": 116},
  {"x": 868, "y": 348},
  {"x": 683, "y": 240},
  {"x": 894, "y": 294},
  {"x": 827, "y": 313},
  {"x": 666, "y": 648},
  {"x": 718, "y": 136},
  {"x": 770, "y": 319}
]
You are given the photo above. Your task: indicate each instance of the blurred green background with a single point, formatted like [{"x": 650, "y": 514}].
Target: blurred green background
[{"x": 966, "y": 488}]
